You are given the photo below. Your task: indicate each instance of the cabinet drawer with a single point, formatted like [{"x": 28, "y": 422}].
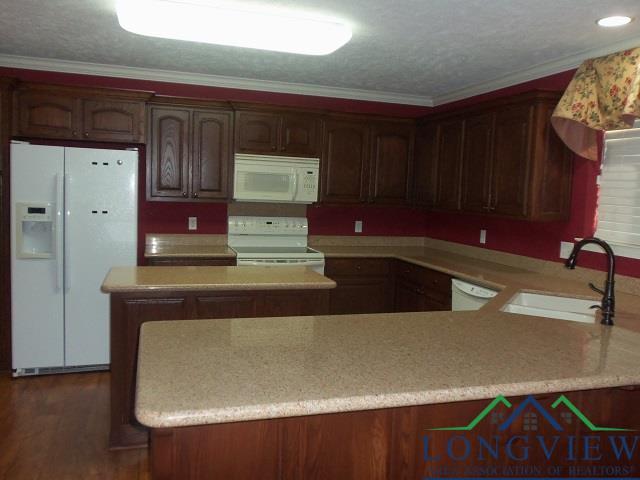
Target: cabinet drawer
[{"x": 356, "y": 266}]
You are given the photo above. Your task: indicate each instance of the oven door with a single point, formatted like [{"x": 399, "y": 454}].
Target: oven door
[
  {"x": 317, "y": 265},
  {"x": 265, "y": 183}
]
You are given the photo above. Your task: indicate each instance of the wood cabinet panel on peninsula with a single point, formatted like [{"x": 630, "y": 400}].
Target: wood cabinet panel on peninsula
[
  {"x": 500, "y": 157},
  {"x": 189, "y": 156},
  {"x": 406, "y": 443},
  {"x": 129, "y": 310},
  {"x": 105, "y": 115}
]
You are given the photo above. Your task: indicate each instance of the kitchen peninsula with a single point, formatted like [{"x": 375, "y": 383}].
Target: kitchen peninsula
[
  {"x": 147, "y": 294},
  {"x": 352, "y": 397}
]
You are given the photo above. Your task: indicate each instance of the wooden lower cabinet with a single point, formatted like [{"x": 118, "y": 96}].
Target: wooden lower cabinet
[
  {"x": 419, "y": 289},
  {"x": 383, "y": 285},
  {"x": 130, "y": 310},
  {"x": 364, "y": 285},
  {"x": 399, "y": 443}
]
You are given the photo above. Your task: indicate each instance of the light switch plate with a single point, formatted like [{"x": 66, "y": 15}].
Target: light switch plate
[
  {"x": 483, "y": 236},
  {"x": 193, "y": 223},
  {"x": 565, "y": 249},
  {"x": 357, "y": 227}
]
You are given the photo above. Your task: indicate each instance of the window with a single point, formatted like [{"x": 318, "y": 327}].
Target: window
[{"x": 619, "y": 201}]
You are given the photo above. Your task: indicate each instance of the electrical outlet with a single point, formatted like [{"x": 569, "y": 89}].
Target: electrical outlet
[
  {"x": 193, "y": 223},
  {"x": 483, "y": 236},
  {"x": 357, "y": 227},
  {"x": 565, "y": 249}
]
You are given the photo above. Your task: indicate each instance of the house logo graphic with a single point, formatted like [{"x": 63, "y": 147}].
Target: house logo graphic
[
  {"x": 530, "y": 439},
  {"x": 531, "y": 419}
]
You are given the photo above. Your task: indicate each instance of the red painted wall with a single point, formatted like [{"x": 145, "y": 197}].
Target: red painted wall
[{"x": 539, "y": 240}]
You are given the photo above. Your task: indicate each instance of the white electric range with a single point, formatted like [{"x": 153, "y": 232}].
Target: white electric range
[{"x": 273, "y": 241}]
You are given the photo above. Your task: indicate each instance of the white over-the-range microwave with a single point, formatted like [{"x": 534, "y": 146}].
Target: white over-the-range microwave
[{"x": 266, "y": 178}]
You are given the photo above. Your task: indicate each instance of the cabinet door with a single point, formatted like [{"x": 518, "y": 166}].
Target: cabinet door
[
  {"x": 211, "y": 154},
  {"x": 510, "y": 185},
  {"x": 113, "y": 120},
  {"x": 345, "y": 161},
  {"x": 391, "y": 156},
  {"x": 299, "y": 135},
  {"x": 476, "y": 163},
  {"x": 47, "y": 115},
  {"x": 449, "y": 165},
  {"x": 425, "y": 165},
  {"x": 168, "y": 152},
  {"x": 409, "y": 297},
  {"x": 360, "y": 295},
  {"x": 257, "y": 132}
]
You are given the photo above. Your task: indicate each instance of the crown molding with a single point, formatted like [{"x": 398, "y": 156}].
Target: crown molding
[
  {"x": 535, "y": 72},
  {"x": 170, "y": 76}
]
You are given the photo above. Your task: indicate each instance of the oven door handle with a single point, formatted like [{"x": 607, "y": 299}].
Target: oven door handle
[{"x": 301, "y": 263}]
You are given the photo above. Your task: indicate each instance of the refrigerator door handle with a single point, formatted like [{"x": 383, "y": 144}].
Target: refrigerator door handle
[
  {"x": 58, "y": 223},
  {"x": 67, "y": 235}
]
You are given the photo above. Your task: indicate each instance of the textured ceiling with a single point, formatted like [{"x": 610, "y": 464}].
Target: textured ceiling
[{"x": 427, "y": 48}]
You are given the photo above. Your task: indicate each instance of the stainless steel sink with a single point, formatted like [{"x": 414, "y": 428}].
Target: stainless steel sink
[{"x": 552, "y": 306}]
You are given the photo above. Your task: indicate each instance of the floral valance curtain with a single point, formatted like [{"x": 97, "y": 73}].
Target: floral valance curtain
[{"x": 603, "y": 95}]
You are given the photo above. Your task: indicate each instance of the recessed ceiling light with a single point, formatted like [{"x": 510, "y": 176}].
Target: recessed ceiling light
[
  {"x": 615, "y": 21},
  {"x": 233, "y": 24}
]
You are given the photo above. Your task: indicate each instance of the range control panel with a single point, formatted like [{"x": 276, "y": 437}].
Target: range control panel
[{"x": 268, "y": 225}]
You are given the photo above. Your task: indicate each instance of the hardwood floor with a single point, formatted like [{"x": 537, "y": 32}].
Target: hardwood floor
[{"x": 56, "y": 427}]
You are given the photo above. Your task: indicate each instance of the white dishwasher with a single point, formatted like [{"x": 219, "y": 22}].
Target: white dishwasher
[{"x": 468, "y": 296}]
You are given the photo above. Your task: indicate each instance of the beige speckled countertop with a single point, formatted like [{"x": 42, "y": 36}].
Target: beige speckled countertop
[
  {"x": 242, "y": 369},
  {"x": 133, "y": 279},
  {"x": 216, "y": 371}
]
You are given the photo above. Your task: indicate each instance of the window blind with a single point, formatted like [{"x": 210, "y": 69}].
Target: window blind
[{"x": 619, "y": 202}]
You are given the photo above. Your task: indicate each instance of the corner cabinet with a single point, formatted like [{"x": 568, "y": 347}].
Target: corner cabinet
[
  {"x": 366, "y": 161},
  {"x": 104, "y": 115},
  {"x": 189, "y": 153},
  {"x": 499, "y": 158},
  {"x": 278, "y": 133}
]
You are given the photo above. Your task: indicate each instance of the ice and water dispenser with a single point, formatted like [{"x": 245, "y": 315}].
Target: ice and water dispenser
[{"x": 34, "y": 230}]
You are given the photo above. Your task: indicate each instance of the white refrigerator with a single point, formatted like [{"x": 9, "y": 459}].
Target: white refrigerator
[{"x": 73, "y": 217}]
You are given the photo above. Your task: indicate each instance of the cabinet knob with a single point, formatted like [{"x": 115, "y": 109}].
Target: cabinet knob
[
  {"x": 86, "y": 134},
  {"x": 74, "y": 133},
  {"x": 273, "y": 147},
  {"x": 184, "y": 194},
  {"x": 282, "y": 149},
  {"x": 195, "y": 195}
]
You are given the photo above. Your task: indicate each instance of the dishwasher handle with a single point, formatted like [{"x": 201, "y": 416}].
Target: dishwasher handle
[{"x": 473, "y": 290}]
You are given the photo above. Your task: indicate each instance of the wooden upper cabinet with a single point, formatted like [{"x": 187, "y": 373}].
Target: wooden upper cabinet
[
  {"x": 425, "y": 165},
  {"x": 168, "y": 152},
  {"x": 512, "y": 160},
  {"x": 294, "y": 134},
  {"x": 345, "y": 162},
  {"x": 42, "y": 111},
  {"x": 477, "y": 163},
  {"x": 450, "y": 146},
  {"x": 211, "y": 154},
  {"x": 391, "y": 155},
  {"x": 257, "y": 132},
  {"x": 299, "y": 135},
  {"x": 502, "y": 158},
  {"x": 43, "y": 114},
  {"x": 189, "y": 155},
  {"x": 108, "y": 120}
]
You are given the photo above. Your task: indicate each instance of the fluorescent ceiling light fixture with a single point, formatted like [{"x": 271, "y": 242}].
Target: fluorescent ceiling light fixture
[
  {"x": 235, "y": 24},
  {"x": 615, "y": 21}
]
